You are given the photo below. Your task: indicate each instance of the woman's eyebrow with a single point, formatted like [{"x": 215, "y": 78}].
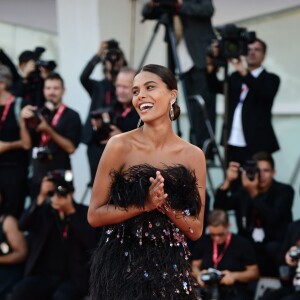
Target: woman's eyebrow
[{"x": 146, "y": 83}]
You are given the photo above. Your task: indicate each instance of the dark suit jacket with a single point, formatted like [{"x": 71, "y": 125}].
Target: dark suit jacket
[
  {"x": 256, "y": 112},
  {"x": 197, "y": 28},
  {"x": 273, "y": 209}
]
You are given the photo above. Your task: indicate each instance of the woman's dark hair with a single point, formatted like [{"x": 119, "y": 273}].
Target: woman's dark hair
[{"x": 167, "y": 76}]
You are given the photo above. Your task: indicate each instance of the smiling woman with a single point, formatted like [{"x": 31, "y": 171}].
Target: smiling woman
[{"x": 149, "y": 194}]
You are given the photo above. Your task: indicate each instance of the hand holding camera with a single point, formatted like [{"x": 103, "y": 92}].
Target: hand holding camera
[
  {"x": 102, "y": 49},
  {"x": 232, "y": 174},
  {"x": 37, "y": 118},
  {"x": 240, "y": 65},
  {"x": 47, "y": 187},
  {"x": 211, "y": 277},
  {"x": 228, "y": 279}
]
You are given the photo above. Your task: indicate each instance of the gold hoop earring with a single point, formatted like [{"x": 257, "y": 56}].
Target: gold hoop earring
[
  {"x": 139, "y": 123},
  {"x": 171, "y": 113}
]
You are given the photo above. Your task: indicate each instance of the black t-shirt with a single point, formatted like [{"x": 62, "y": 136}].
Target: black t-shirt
[
  {"x": 69, "y": 126},
  {"x": 239, "y": 254},
  {"x": 125, "y": 119},
  {"x": 9, "y": 132}
]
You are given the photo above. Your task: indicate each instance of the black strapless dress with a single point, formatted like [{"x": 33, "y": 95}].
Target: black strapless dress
[{"x": 146, "y": 257}]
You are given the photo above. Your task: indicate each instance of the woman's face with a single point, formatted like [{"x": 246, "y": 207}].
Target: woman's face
[{"x": 151, "y": 96}]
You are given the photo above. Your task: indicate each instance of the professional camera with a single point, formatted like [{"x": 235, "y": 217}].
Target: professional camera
[
  {"x": 232, "y": 42},
  {"x": 113, "y": 53},
  {"x": 44, "y": 154},
  {"x": 250, "y": 166},
  {"x": 44, "y": 111},
  {"x": 295, "y": 254},
  {"x": 63, "y": 180},
  {"x": 156, "y": 8},
  {"x": 212, "y": 276},
  {"x": 35, "y": 76},
  {"x": 50, "y": 65},
  {"x": 105, "y": 114},
  {"x": 212, "y": 279}
]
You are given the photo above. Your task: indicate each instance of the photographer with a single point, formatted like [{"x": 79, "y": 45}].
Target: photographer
[
  {"x": 54, "y": 136},
  {"x": 251, "y": 93},
  {"x": 231, "y": 254},
  {"x": 102, "y": 92},
  {"x": 57, "y": 266},
  {"x": 120, "y": 117},
  {"x": 30, "y": 84},
  {"x": 191, "y": 22},
  {"x": 262, "y": 205},
  {"x": 290, "y": 256}
]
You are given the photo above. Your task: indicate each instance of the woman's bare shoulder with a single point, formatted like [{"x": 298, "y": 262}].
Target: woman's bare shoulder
[
  {"x": 122, "y": 140},
  {"x": 191, "y": 153}
]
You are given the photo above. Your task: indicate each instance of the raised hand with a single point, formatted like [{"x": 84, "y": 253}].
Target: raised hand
[{"x": 156, "y": 194}]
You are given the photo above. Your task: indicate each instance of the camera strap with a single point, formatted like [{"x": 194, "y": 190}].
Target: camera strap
[
  {"x": 45, "y": 137},
  {"x": 217, "y": 258},
  {"x": 5, "y": 111}
]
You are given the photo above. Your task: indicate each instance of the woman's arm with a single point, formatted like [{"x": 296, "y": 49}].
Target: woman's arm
[
  {"x": 16, "y": 241},
  {"x": 251, "y": 273},
  {"x": 192, "y": 226},
  {"x": 101, "y": 213}
]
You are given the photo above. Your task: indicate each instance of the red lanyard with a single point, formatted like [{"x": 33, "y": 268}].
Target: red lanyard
[
  {"x": 45, "y": 137},
  {"x": 126, "y": 112},
  {"x": 217, "y": 258},
  {"x": 5, "y": 111},
  {"x": 108, "y": 97}
]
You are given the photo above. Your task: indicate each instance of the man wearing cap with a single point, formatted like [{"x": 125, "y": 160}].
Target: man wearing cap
[{"x": 33, "y": 73}]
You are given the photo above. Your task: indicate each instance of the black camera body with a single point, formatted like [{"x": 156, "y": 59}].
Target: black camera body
[
  {"x": 113, "y": 53},
  {"x": 232, "y": 42},
  {"x": 44, "y": 111},
  {"x": 105, "y": 114},
  {"x": 159, "y": 8},
  {"x": 213, "y": 276},
  {"x": 295, "y": 254},
  {"x": 47, "y": 64},
  {"x": 212, "y": 280},
  {"x": 251, "y": 168},
  {"x": 63, "y": 180},
  {"x": 44, "y": 154}
]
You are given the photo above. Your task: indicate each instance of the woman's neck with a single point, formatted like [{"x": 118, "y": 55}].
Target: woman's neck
[{"x": 158, "y": 135}]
